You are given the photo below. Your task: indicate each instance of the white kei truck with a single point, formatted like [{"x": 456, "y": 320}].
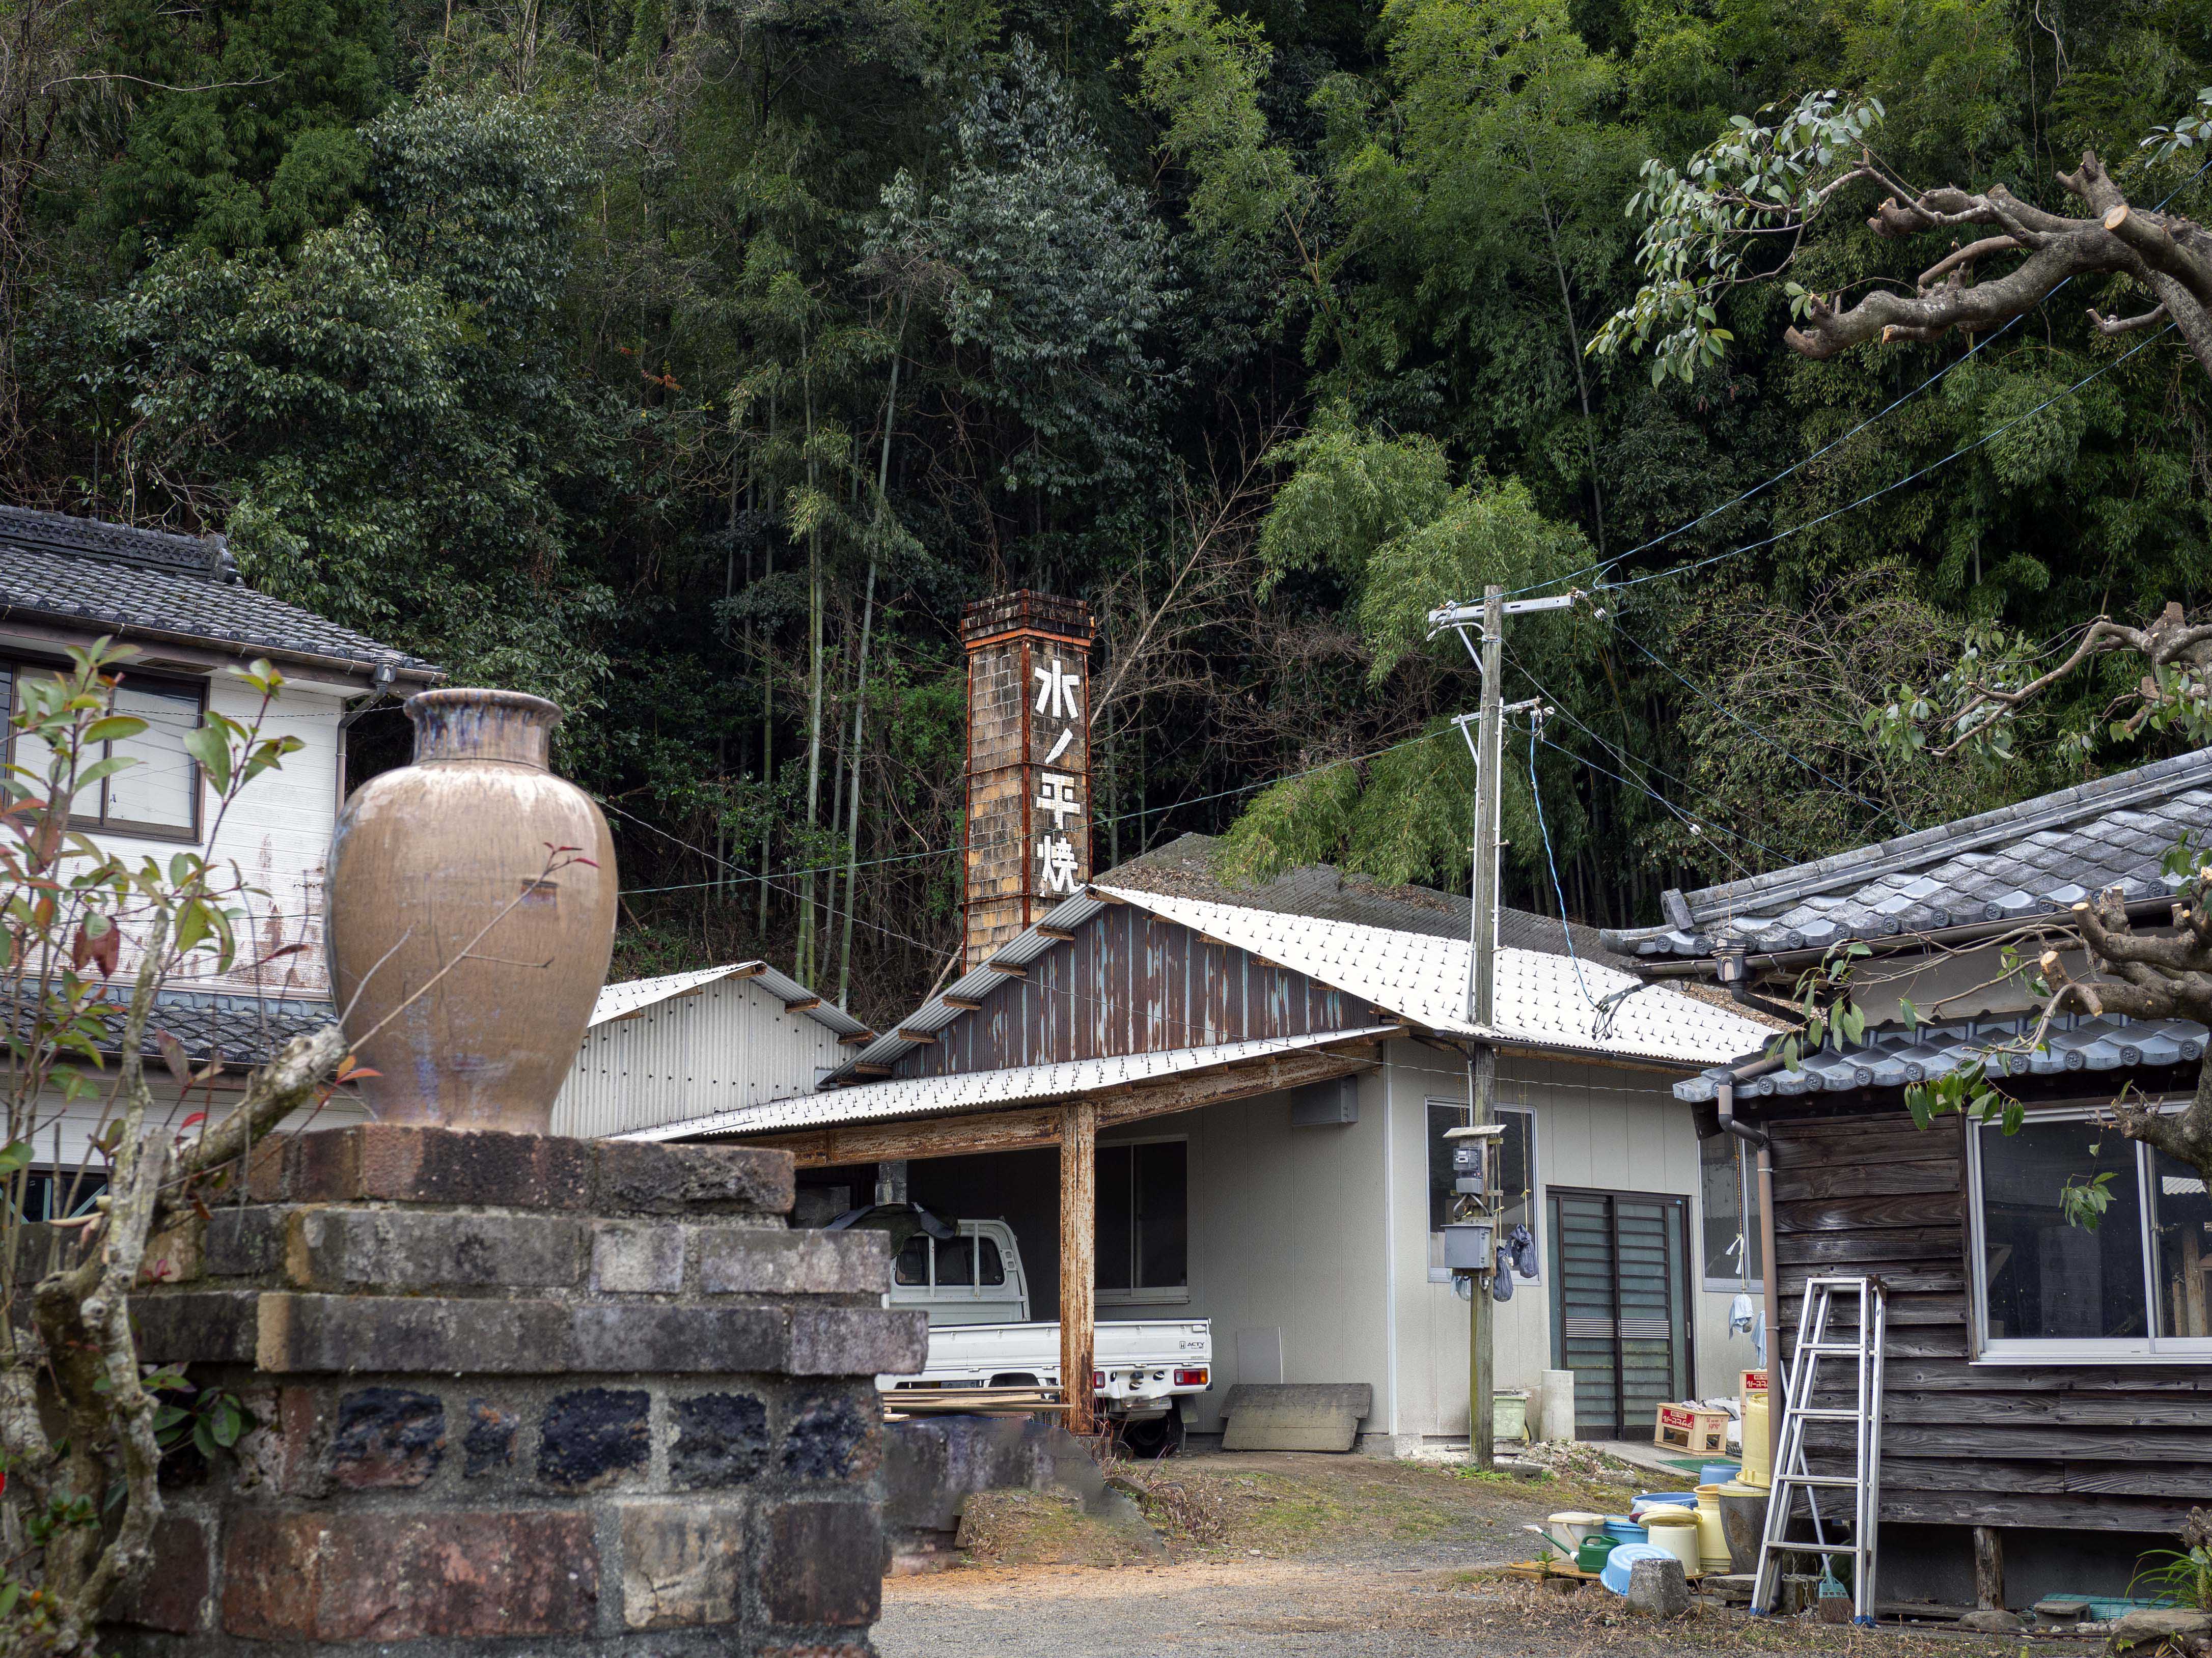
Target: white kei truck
[{"x": 967, "y": 1276}]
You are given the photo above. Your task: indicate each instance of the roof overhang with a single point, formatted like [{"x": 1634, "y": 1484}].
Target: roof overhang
[{"x": 632, "y": 999}]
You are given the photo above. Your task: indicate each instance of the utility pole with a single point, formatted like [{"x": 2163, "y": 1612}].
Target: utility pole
[
  {"x": 1482, "y": 976},
  {"x": 1481, "y": 1003}
]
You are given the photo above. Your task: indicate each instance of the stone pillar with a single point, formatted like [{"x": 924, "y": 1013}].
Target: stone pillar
[
  {"x": 521, "y": 1394},
  {"x": 1028, "y": 762}
]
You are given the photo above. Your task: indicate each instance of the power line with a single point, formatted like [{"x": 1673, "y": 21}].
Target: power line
[
  {"x": 1604, "y": 565},
  {"x": 1691, "y": 823}
]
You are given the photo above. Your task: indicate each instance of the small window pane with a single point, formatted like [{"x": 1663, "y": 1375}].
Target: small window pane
[
  {"x": 33, "y": 754},
  {"x": 2181, "y": 1234},
  {"x": 956, "y": 1261},
  {"x": 157, "y": 791},
  {"x": 1442, "y": 1116},
  {"x": 990, "y": 1268},
  {"x": 1115, "y": 1212},
  {"x": 913, "y": 1264},
  {"x": 2049, "y": 1280},
  {"x": 1724, "y": 1180},
  {"x": 1163, "y": 1223}
]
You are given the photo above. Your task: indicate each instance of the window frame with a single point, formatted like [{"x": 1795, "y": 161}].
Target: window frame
[
  {"x": 1998, "y": 1352},
  {"x": 1438, "y": 1272},
  {"x": 14, "y": 665},
  {"x": 1747, "y": 1194},
  {"x": 1150, "y": 1295}
]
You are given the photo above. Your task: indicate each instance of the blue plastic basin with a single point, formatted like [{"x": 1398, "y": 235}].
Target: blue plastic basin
[{"x": 1615, "y": 1574}]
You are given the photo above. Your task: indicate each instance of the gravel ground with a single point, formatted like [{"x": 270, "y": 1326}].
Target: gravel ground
[{"x": 1390, "y": 1567}]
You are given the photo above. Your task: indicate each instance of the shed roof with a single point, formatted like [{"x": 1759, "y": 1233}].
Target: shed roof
[
  {"x": 923, "y": 1097},
  {"x": 1543, "y": 1000},
  {"x": 2034, "y": 858},
  {"x": 629, "y": 997},
  {"x": 1893, "y": 1057},
  {"x": 79, "y": 572}
]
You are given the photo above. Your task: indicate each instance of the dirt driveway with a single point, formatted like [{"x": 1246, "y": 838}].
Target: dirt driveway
[{"x": 1320, "y": 1557}]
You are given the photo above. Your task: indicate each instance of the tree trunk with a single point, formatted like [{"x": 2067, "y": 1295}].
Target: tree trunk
[{"x": 808, "y": 931}]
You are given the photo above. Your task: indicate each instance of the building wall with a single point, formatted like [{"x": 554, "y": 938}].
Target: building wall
[
  {"x": 1322, "y": 1234},
  {"x": 732, "y": 1043},
  {"x": 278, "y": 834}
]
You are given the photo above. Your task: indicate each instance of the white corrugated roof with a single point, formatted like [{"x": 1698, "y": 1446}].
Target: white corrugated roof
[
  {"x": 910, "y": 1096},
  {"x": 629, "y": 996},
  {"x": 1540, "y": 1000}
]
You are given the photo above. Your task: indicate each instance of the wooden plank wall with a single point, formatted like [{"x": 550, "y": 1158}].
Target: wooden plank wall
[
  {"x": 2110, "y": 1447},
  {"x": 1130, "y": 982},
  {"x": 2117, "y": 1448}
]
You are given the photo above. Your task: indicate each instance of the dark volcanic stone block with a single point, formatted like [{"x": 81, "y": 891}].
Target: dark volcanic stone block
[
  {"x": 307, "y": 1335},
  {"x": 244, "y": 1243},
  {"x": 489, "y": 1445},
  {"x": 593, "y": 1435},
  {"x": 721, "y": 1439},
  {"x": 831, "y": 1437},
  {"x": 390, "y": 1575},
  {"x": 402, "y": 1164},
  {"x": 388, "y": 1437},
  {"x": 671, "y": 1336},
  {"x": 822, "y": 1564}
]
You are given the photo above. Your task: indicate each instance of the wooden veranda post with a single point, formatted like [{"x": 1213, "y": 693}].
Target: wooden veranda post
[{"x": 1079, "y": 1261}]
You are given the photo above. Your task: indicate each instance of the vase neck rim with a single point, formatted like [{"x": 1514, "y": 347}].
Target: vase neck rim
[{"x": 468, "y": 724}]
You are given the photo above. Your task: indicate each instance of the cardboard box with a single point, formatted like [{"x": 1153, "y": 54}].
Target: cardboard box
[{"x": 1691, "y": 1429}]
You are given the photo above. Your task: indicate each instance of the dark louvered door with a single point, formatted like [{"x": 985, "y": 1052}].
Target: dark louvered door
[{"x": 1620, "y": 1305}]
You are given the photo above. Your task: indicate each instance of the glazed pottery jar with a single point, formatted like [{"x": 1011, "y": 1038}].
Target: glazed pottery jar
[{"x": 449, "y": 865}]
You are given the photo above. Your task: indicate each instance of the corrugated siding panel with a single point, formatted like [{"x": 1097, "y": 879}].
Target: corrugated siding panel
[
  {"x": 1131, "y": 982},
  {"x": 732, "y": 1044}
]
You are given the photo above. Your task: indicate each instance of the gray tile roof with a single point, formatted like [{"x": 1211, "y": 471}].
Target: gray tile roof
[
  {"x": 241, "y": 1030},
  {"x": 1892, "y": 1057},
  {"x": 111, "y": 578},
  {"x": 2035, "y": 858},
  {"x": 1183, "y": 868}
]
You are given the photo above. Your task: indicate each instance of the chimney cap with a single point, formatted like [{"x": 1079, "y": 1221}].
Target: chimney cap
[{"x": 1026, "y": 610}]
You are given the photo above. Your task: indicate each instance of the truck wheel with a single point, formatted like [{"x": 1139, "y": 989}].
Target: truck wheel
[{"x": 1161, "y": 1437}]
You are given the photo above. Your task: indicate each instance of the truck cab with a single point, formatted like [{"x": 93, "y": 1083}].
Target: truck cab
[{"x": 973, "y": 1277}]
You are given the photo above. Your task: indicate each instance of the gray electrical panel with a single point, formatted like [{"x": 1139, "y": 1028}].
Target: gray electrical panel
[{"x": 1326, "y": 1105}]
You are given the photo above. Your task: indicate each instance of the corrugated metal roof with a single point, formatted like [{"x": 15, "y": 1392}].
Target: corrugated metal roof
[
  {"x": 629, "y": 997},
  {"x": 1541, "y": 1001},
  {"x": 919, "y": 1096},
  {"x": 1893, "y": 1057}
]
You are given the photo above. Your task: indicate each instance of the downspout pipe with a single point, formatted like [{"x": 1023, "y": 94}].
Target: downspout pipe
[{"x": 1770, "y": 1269}]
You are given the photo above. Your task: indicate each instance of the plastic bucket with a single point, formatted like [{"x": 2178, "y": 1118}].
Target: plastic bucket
[
  {"x": 1675, "y": 1530},
  {"x": 1718, "y": 1473},
  {"x": 1712, "y": 1536},
  {"x": 1626, "y": 1531},
  {"x": 1650, "y": 1500},
  {"x": 1755, "y": 1447},
  {"x": 1576, "y": 1525}
]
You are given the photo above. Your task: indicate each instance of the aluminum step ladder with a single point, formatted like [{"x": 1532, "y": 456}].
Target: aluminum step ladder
[{"x": 1817, "y": 1342}]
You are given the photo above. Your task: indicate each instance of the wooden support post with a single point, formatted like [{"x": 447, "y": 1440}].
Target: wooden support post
[
  {"x": 1079, "y": 1261},
  {"x": 1989, "y": 1569},
  {"x": 1481, "y": 1007}
]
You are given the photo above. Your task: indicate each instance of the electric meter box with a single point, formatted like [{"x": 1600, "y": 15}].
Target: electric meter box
[
  {"x": 1469, "y": 1162},
  {"x": 1467, "y": 1246}
]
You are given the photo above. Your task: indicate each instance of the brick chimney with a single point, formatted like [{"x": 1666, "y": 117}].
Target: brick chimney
[{"x": 1028, "y": 762}]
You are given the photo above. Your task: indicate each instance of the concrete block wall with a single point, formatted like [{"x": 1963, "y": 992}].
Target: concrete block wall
[{"x": 522, "y": 1394}]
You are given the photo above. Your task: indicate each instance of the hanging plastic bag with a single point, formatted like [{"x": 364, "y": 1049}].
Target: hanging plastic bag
[{"x": 1501, "y": 1281}]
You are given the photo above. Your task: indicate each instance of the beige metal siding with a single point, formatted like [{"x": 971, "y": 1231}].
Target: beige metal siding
[{"x": 730, "y": 1043}]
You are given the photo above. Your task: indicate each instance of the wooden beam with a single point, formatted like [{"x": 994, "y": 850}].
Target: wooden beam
[
  {"x": 919, "y": 1036},
  {"x": 1989, "y": 1569},
  {"x": 1030, "y": 1128},
  {"x": 1059, "y": 935},
  {"x": 801, "y": 1006},
  {"x": 873, "y": 1070},
  {"x": 965, "y": 1003},
  {"x": 1011, "y": 971},
  {"x": 1078, "y": 1261},
  {"x": 862, "y": 1037}
]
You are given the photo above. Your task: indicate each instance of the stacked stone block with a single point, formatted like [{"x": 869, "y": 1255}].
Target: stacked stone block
[{"x": 522, "y": 1395}]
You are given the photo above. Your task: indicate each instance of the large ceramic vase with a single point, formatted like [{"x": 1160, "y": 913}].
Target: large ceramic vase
[{"x": 441, "y": 868}]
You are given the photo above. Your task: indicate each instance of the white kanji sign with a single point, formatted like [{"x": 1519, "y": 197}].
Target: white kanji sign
[
  {"x": 1057, "y": 863},
  {"x": 1056, "y": 795},
  {"x": 1060, "y": 695}
]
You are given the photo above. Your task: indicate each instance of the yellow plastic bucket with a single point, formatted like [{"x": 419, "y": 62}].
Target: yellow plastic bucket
[
  {"x": 1712, "y": 1537},
  {"x": 1677, "y": 1531},
  {"x": 1755, "y": 1447}
]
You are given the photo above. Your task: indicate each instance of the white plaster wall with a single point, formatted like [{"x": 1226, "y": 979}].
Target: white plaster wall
[
  {"x": 1599, "y": 1128},
  {"x": 278, "y": 834},
  {"x": 1286, "y": 1232}
]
